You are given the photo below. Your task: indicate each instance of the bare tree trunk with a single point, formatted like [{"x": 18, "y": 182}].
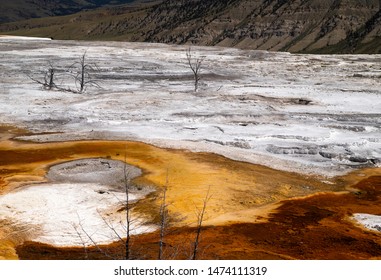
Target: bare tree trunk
[
  {"x": 83, "y": 77},
  {"x": 200, "y": 219},
  {"x": 124, "y": 240},
  {"x": 51, "y": 78},
  {"x": 162, "y": 225},
  {"x": 195, "y": 66},
  {"x": 83, "y": 69},
  {"x": 163, "y": 219},
  {"x": 48, "y": 82},
  {"x": 128, "y": 210}
]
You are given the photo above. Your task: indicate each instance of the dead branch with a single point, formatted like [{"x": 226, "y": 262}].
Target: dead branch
[
  {"x": 200, "y": 219},
  {"x": 128, "y": 208},
  {"x": 48, "y": 80},
  {"x": 163, "y": 218},
  {"x": 82, "y": 241},
  {"x": 82, "y": 76},
  {"x": 195, "y": 66},
  {"x": 111, "y": 227},
  {"x": 90, "y": 238}
]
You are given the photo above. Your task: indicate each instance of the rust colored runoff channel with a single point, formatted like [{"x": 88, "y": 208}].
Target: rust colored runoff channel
[{"x": 254, "y": 212}]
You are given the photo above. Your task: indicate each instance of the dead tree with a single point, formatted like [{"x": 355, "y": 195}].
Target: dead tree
[
  {"x": 48, "y": 81},
  {"x": 163, "y": 219},
  {"x": 195, "y": 66},
  {"x": 81, "y": 71},
  {"x": 83, "y": 76},
  {"x": 128, "y": 223},
  {"x": 200, "y": 218},
  {"x": 128, "y": 211}
]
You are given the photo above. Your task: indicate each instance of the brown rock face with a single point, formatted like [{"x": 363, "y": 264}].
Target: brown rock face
[
  {"x": 329, "y": 26},
  {"x": 296, "y": 26}
]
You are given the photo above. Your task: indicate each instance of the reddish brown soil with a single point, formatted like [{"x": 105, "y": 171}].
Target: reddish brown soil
[{"x": 317, "y": 227}]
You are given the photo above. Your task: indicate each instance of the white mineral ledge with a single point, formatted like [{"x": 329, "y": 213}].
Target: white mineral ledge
[{"x": 372, "y": 222}]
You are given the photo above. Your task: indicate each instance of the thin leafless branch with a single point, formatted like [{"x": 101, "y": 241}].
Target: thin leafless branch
[
  {"x": 128, "y": 208},
  {"x": 195, "y": 66},
  {"x": 200, "y": 219},
  {"x": 163, "y": 218},
  {"x": 82, "y": 74},
  {"x": 82, "y": 241},
  {"x": 91, "y": 239},
  {"x": 48, "y": 80}
]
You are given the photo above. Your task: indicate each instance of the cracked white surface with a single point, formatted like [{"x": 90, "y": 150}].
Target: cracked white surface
[
  {"x": 305, "y": 113},
  {"x": 66, "y": 214}
]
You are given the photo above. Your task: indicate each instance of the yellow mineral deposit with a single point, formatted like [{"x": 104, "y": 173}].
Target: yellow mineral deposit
[{"x": 240, "y": 192}]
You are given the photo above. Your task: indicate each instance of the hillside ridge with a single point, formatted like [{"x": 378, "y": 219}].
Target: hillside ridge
[{"x": 307, "y": 26}]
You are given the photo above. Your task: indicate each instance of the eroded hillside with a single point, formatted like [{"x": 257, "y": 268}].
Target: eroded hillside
[
  {"x": 23, "y": 9},
  {"x": 334, "y": 26}
]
